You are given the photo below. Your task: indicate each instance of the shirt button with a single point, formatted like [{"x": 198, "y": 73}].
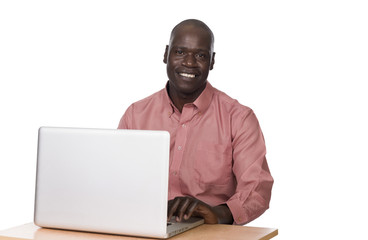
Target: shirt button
[
  {"x": 183, "y": 125},
  {"x": 174, "y": 173},
  {"x": 179, "y": 148}
]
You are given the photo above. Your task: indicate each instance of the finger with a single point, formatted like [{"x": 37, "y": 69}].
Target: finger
[
  {"x": 169, "y": 204},
  {"x": 173, "y": 207},
  {"x": 182, "y": 209},
  {"x": 207, "y": 213},
  {"x": 190, "y": 210}
]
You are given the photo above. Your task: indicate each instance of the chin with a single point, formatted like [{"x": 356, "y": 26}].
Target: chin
[{"x": 187, "y": 87}]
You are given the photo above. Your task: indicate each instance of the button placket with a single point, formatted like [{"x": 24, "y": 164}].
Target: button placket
[{"x": 180, "y": 142}]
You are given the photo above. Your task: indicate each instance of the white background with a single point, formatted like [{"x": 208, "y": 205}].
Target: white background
[{"x": 301, "y": 65}]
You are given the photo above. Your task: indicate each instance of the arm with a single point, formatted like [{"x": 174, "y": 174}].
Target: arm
[
  {"x": 254, "y": 181},
  {"x": 185, "y": 207}
]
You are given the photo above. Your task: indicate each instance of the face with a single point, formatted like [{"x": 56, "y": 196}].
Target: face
[{"x": 189, "y": 58}]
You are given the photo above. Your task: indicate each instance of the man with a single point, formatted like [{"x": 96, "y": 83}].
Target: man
[{"x": 218, "y": 168}]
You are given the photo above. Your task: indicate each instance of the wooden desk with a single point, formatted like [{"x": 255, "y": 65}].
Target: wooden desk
[{"x": 213, "y": 232}]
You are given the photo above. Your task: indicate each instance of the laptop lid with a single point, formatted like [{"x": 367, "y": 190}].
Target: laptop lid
[{"x": 108, "y": 181}]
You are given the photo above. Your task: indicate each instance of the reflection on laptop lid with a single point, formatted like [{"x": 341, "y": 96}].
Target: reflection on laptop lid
[{"x": 107, "y": 181}]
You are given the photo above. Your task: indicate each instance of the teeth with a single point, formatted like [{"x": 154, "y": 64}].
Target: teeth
[{"x": 187, "y": 75}]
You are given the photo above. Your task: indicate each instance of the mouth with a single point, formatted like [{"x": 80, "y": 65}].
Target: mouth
[{"x": 188, "y": 75}]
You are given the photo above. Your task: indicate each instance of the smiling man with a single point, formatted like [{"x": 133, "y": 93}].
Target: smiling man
[
  {"x": 218, "y": 168},
  {"x": 189, "y": 58}
]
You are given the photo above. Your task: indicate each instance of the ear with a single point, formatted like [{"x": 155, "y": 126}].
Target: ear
[
  {"x": 166, "y": 52},
  {"x": 212, "y": 61}
]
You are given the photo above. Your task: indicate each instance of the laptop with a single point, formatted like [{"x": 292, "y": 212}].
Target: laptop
[{"x": 105, "y": 181}]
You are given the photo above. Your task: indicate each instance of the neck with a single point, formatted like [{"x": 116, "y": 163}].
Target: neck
[{"x": 180, "y": 99}]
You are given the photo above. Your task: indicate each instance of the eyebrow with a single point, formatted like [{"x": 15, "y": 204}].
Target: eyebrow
[{"x": 198, "y": 49}]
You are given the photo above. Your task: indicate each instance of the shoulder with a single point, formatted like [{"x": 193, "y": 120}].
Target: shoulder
[
  {"x": 242, "y": 119},
  {"x": 156, "y": 99},
  {"x": 230, "y": 105},
  {"x": 142, "y": 109}
]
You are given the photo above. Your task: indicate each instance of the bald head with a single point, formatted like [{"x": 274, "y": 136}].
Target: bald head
[{"x": 193, "y": 24}]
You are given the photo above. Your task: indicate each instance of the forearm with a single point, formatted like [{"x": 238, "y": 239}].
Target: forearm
[
  {"x": 224, "y": 214},
  {"x": 247, "y": 209}
]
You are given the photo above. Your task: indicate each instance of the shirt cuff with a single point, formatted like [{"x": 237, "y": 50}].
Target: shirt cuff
[
  {"x": 237, "y": 211},
  {"x": 245, "y": 211}
]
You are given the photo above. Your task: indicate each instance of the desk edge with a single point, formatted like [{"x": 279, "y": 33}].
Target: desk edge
[{"x": 271, "y": 234}]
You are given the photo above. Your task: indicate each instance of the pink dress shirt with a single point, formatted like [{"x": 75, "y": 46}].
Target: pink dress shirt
[{"x": 217, "y": 151}]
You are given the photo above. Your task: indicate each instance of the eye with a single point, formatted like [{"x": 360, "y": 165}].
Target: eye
[
  {"x": 201, "y": 55},
  {"x": 179, "y": 52}
]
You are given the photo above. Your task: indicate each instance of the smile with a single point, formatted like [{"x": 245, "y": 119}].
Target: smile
[{"x": 188, "y": 75}]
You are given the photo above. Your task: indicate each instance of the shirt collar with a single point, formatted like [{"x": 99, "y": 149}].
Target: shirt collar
[{"x": 202, "y": 102}]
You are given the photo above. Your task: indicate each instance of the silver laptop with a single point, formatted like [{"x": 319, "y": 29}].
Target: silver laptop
[{"x": 106, "y": 181}]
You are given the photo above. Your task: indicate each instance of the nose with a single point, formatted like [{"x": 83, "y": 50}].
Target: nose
[{"x": 189, "y": 61}]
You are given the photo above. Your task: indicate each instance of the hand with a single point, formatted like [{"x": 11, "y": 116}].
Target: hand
[{"x": 185, "y": 207}]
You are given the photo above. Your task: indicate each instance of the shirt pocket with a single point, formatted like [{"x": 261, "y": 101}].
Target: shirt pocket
[{"x": 213, "y": 163}]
